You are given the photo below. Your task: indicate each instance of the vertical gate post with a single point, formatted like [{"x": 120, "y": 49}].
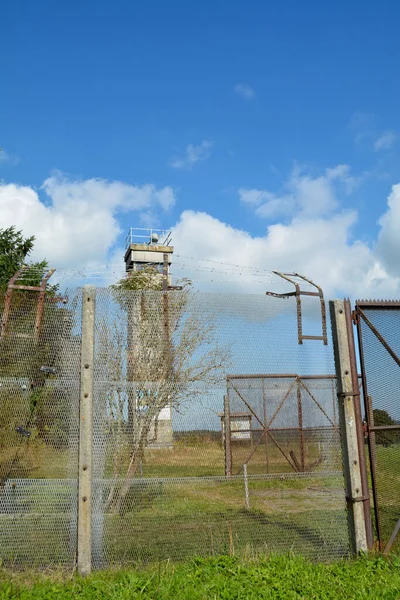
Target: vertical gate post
[
  {"x": 348, "y": 427},
  {"x": 86, "y": 432},
  {"x": 366, "y": 502}
]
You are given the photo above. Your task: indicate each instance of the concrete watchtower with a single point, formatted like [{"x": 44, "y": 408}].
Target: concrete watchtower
[{"x": 146, "y": 248}]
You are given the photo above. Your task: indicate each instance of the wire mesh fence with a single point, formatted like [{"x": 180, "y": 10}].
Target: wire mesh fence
[
  {"x": 160, "y": 484},
  {"x": 278, "y": 423},
  {"x": 380, "y": 347},
  {"x": 39, "y": 429}
]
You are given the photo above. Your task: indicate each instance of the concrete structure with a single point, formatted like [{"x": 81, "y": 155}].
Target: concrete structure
[
  {"x": 150, "y": 248},
  {"x": 346, "y": 383},
  {"x": 161, "y": 434}
]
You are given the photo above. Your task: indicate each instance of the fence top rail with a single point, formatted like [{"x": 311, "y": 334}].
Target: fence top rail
[{"x": 377, "y": 304}]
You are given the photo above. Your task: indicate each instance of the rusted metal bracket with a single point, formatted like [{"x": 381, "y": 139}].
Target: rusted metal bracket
[
  {"x": 13, "y": 285},
  {"x": 347, "y": 394},
  {"x": 357, "y": 499},
  {"x": 57, "y": 299},
  {"x": 291, "y": 278}
]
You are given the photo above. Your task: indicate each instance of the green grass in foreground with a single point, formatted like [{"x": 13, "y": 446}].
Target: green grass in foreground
[{"x": 278, "y": 577}]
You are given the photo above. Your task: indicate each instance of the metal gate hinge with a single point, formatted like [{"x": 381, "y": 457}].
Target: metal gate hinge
[{"x": 347, "y": 394}]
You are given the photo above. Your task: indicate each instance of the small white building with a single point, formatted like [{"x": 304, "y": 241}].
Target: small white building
[{"x": 240, "y": 425}]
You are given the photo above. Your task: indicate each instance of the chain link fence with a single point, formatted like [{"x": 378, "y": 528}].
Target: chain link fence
[
  {"x": 379, "y": 327},
  {"x": 39, "y": 432},
  {"x": 161, "y": 490}
]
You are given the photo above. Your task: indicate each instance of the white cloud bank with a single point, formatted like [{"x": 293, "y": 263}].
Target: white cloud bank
[
  {"x": 80, "y": 221},
  {"x": 317, "y": 239},
  {"x": 302, "y": 194},
  {"x": 78, "y": 224}
]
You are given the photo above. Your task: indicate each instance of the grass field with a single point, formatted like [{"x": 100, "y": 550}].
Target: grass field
[
  {"x": 175, "y": 511},
  {"x": 223, "y": 578},
  {"x": 388, "y": 486},
  {"x": 190, "y": 456},
  {"x": 174, "y": 519},
  {"x": 210, "y": 517}
]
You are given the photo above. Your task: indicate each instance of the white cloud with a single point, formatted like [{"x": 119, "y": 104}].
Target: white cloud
[
  {"x": 5, "y": 157},
  {"x": 193, "y": 154},
  {"x": 245, "y": 91},
  {"x": 78, "y": 224},
  {"x": 342, "y": 173},
  {"x": 314, "y": 196},
  {"x": 303, "y": 194},
  {"x": 319, "y": 246},
  {"x": 267, "y": 204},
  {"x": 385, "y": 141},
  {"x": 388, "y": 245},
  {"x": 366, "y": 133},
  {"x": 361, "y": 124}
]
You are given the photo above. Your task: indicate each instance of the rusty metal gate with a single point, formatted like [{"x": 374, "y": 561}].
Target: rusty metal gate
[
  {"x": 378, "y": 328},
  {"x": 281, "y": 423}
]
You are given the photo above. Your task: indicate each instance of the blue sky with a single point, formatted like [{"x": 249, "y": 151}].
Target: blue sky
[{"x": 265, "y": 120}]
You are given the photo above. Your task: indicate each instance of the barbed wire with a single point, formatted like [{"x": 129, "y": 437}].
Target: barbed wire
[
  {"x": 113, "y": 271},
  {"x": 217, "y": 270},
  {"x": 209, "y": 260},
  {"x": 100, "y": 269}
]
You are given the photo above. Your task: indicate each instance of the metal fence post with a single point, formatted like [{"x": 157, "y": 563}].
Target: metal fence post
[
  {"x": 86, "y": 432},
  {"x": 348, "y": 427},
  {"x": 366, "y": 502},
  {"x": 246, "y": 487},
  {"x": 227, "y": 437}
]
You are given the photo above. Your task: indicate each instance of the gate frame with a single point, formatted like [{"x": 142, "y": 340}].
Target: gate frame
[
  {"x": 358, "y": 316},
  {"x": 352, "y": 435},
  {"x": 299, "y": 384}
]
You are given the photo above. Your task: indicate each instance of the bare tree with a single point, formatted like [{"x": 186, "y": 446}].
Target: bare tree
[{"x": 169, "y": 354}]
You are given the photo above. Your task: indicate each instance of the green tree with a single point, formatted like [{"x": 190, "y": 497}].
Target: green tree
[
  {"x": 15, "y": 358},
  {"x": 168, "y": 349},
  {"x": 148, "y": 278},
  {"x": 14, "y": 252},
  {"x": 30, "y": 403}
]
